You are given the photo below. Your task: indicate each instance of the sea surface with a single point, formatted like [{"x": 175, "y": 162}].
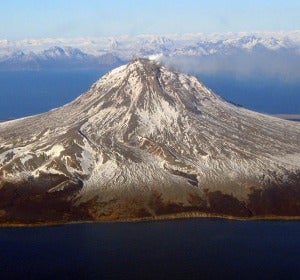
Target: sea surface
[
  {"x": 23, "y": 93},
  {"x": 171, "y": 249},
  {"x": 259, "y": 93}
]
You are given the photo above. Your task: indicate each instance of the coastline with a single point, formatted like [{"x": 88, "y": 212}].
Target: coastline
[{"x": 178, "y": 216}]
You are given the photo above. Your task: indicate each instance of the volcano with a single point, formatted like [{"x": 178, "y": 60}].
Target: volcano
[{"x": 145, "y": 142}]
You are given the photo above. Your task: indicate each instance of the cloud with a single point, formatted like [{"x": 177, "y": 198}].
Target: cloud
[
  {"x": 156, "y": 57},
  {"x": 281, "y": 64}
]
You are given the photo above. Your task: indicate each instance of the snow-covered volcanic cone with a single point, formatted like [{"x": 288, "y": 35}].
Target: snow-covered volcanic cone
[{"x": 144, "y": 141}]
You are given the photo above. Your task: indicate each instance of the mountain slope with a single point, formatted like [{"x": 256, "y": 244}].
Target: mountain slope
[{"x": 145, "y": 141}]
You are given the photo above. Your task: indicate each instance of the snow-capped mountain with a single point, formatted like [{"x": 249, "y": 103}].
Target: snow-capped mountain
[
  {"x": 86, "y": 52},
  {"x": 144, "y": 141},
  {"x": 58, "y": 58}
]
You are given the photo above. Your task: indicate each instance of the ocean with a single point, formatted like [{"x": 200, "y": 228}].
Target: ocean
[
  {"x": 24, "y": 93},
  {"x": 171, "y": 249},
  {"x": 263, "y": 94}
]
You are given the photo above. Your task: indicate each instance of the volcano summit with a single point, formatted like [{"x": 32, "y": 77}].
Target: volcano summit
[{"x": 145, "y": 142}]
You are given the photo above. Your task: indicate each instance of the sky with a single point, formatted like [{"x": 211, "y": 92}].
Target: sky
[{"x": 21, "y": 19}]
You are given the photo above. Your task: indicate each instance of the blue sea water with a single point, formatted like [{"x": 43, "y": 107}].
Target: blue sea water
[
  {"x": 24, "y": 93},
  {"x": 259, "y": 93},
  {"x": 174, "y": 249}
]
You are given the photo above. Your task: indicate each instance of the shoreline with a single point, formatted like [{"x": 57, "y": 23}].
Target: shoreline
[{"x": 169, "y": 217}]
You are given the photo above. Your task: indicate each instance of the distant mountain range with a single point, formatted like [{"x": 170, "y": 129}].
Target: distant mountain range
[{"x": 214, "y": 52}]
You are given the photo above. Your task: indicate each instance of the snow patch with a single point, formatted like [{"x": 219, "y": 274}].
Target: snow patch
[
  {"x": 26, "y": 158},
  {"x": 55, "y": 151}
]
